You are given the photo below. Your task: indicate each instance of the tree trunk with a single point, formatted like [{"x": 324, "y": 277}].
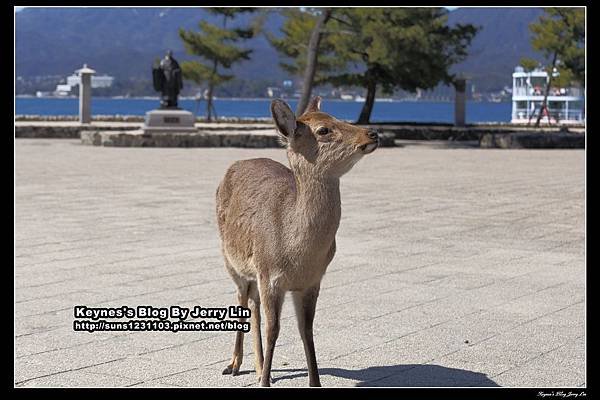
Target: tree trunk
[
  {"x": 209, "y": 102},
  {"x": 211, "y": 86},
  {"x": 365, "y": 113},
  {"x": 545, "y": 101},
  {"x": 210, "y": 108},
  {"x": 311, "y": 62}
]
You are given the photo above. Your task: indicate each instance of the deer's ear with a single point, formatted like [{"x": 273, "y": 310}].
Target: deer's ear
[
  {"x": 314, "y": 105},
  {"x": 284, "y": 118}
]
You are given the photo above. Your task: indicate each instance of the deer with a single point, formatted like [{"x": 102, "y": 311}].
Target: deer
[{"x": 277, "y": 225}]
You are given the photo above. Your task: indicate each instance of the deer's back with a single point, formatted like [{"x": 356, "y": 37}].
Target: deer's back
[{"x": 251, "y": 199}]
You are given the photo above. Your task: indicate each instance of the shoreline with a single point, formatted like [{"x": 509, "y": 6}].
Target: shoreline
[{"x": 382, "y": 100}]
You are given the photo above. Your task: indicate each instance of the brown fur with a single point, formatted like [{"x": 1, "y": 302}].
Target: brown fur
[{"x": 278, "y": 224}]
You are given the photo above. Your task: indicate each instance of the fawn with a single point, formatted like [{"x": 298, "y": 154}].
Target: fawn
[{"x": 278, "y": 224}]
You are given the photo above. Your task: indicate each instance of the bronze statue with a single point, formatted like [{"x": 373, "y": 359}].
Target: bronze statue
[{"x": 167, "y": 80}]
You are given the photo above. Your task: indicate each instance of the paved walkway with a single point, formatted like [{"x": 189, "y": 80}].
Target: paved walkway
[{"x": 455, "y": 267}]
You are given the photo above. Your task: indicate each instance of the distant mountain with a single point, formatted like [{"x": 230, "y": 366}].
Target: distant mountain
[
  {"x": 503, "y": 40},
  {"x": 123, "y": 42}
]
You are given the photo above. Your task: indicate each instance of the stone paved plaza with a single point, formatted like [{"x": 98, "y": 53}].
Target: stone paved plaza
[{"x": 454, "y": 267}]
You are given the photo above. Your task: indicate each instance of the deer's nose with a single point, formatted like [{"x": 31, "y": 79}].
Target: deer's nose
[{"x": 373, "y": 134}]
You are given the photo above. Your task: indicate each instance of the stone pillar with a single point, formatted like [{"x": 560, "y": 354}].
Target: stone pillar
[
  {"x": 460, "y": 101},
  {"x": 85, "y": 94}
]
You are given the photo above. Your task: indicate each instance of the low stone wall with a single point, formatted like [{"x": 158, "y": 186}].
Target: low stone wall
[
  {"x": 55, "y": 131},
  {"x": 425, "y": 132},
  {"x": 259, "y": 135},
  {"x": 532, "y": 140},
  {"x": 47, "y": 132},
  {"x": 468, "y": 133},
  {"x": 200, "y": 139},
  {"x": 387, "y": 139}
]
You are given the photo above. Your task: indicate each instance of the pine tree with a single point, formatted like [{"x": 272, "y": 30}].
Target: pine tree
[
  {"x": 399, "y": 48},
  {"x": 306, "y": 47},
  {"x": 216, "y": 45},
  {"x": 378, "y": 48}
]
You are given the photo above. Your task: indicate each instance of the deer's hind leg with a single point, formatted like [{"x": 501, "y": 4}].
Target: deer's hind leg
[
  {"x": 272, "y": 301},
  {"x": 255, "y": 326},
  {"x": 243, "y": 286}
]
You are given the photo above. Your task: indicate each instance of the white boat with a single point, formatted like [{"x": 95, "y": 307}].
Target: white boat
[{"x": 565, "y": 105}]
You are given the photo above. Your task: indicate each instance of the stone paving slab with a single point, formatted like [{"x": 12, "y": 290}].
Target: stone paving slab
[{"x": 455, "y": 267}]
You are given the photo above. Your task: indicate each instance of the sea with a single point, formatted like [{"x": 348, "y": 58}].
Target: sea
[{"x": 383, "y": 111}]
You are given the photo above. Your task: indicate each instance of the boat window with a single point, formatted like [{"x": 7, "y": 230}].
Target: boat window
[{"x": 575, "y": 105}]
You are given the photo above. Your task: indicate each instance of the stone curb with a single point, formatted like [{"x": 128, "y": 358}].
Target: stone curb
[
  {"x": 200, "y": 139},
  {"x": 532, "y": 141},
  {"x": 56, "y": 132}
]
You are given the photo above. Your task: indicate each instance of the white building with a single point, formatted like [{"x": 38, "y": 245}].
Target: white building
[
  {"x": 62, "y": 90},
  {"x": 97, "y": 81},
  {"x": 273, "y": 92},
  {"x": 565, "y": 105}
]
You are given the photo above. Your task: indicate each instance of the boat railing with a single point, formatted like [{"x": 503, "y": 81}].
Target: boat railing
[
  {"x": 531, "y": 91},
  {"x": 520, "y": 91},
  {"x": 560, "y": 114}
]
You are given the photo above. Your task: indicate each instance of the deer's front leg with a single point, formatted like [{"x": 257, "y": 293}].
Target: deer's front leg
[{"x": 305, "y": 303}]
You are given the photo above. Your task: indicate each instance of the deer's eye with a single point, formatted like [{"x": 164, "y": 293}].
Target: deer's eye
[{"x": 323, "y": 131}]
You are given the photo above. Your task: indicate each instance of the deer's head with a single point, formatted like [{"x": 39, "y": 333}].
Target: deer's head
[{"x": 318, "y": 144}]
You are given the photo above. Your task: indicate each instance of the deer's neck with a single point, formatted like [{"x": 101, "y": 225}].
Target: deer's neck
[{"x": 317, "y": 208}]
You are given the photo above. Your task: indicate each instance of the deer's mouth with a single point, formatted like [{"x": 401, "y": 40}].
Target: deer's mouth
[{"x": 369, "y": 147}]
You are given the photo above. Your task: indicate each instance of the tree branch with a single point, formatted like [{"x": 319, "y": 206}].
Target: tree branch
[{"x": 340, "y": 20}]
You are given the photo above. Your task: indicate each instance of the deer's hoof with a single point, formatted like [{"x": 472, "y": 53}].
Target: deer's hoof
[
  {"x": 229, "y": 370},
  {"x": 267, "y": 383}
]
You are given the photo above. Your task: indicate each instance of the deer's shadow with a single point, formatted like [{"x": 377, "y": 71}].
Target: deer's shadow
[{"x": 405, "y": 375}]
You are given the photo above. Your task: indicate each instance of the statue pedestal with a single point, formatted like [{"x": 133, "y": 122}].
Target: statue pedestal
[{"x": 169, "y": 121}]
